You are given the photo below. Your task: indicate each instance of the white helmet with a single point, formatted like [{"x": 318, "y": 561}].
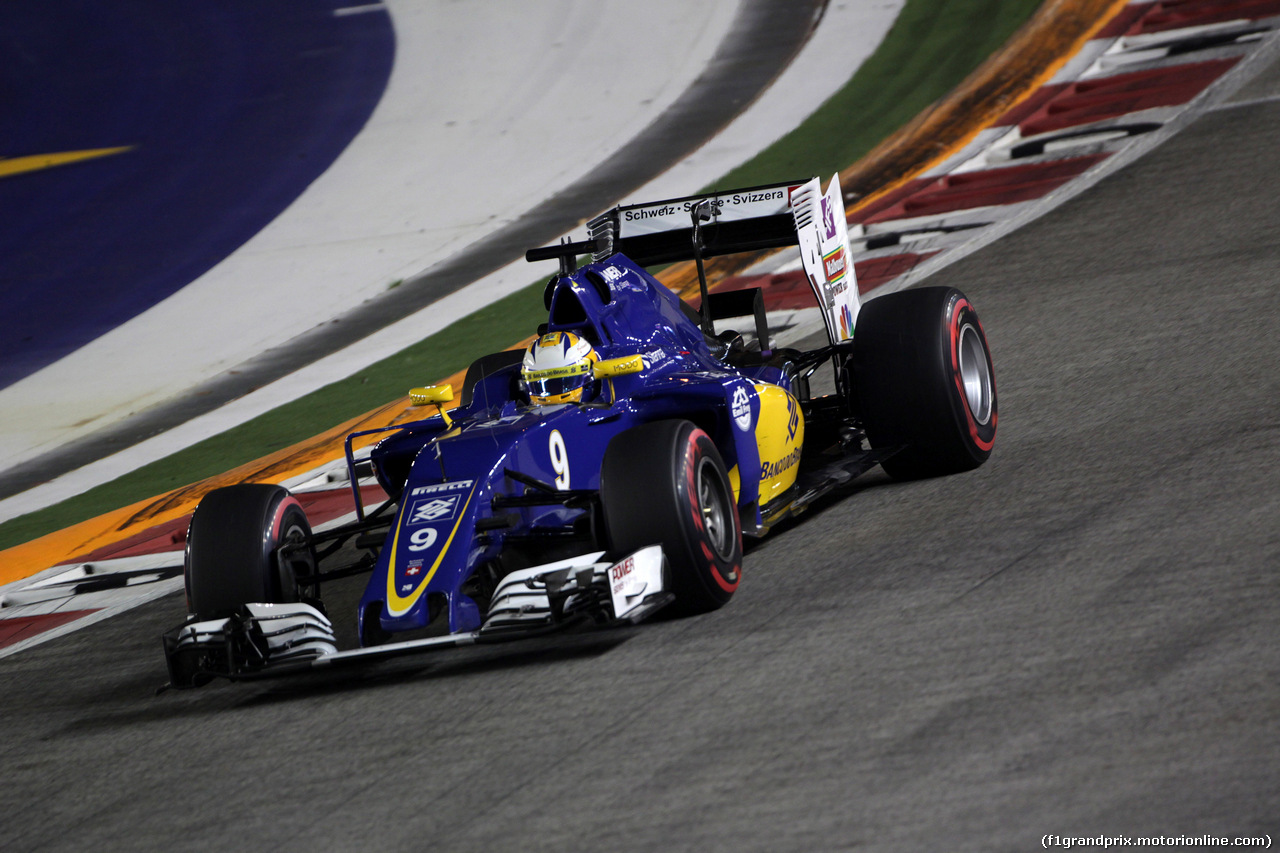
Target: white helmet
[{"x": 557, "y": 367}]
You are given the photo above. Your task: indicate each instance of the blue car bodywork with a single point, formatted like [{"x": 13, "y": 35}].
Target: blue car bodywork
[
  {"x": 457, "y": 473},
  {"x": 506, "y": 519}
]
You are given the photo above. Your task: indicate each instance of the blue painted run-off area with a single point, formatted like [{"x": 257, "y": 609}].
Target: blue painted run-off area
[{"x": 233, "y": 109}]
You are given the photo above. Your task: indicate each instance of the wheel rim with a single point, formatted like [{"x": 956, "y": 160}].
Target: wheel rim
[
  {"x": 975, "y": 374},
  {"x": 717, "y": 519},
  {"x": 295, "y": 559}
]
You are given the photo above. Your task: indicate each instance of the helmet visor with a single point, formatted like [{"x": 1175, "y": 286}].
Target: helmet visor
[{"x": 555, "y": 385}]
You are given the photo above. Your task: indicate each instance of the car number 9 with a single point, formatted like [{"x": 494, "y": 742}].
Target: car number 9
[
  {"x": 422, "y": 539},
  {"x": 559, "y": 459}
]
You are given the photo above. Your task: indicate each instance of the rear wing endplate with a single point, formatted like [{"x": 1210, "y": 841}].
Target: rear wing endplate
[{"x": 823, "y": 233}]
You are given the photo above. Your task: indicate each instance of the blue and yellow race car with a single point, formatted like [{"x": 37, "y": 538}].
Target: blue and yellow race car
[{"x": 611, "y": 469}]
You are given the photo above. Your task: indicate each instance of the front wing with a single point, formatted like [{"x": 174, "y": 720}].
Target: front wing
[{"x": 267, "y": 640}]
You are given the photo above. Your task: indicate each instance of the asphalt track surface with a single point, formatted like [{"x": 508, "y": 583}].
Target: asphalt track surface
[{"x": 1077, "y": 639}]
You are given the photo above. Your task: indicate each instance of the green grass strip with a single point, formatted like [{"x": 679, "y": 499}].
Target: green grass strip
[
  {"x": 505, "y": 322},
  {"x": 932, "y": 46}
]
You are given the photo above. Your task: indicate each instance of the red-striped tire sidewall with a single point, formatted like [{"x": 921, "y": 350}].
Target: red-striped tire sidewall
[
  {"x": 274, "y": 534},
  {"x": 959, "y": 315},
  {"x": 724, "y": 573},
  {"x": 649, "y": 489},
  {"x": 909, "y": 351}
]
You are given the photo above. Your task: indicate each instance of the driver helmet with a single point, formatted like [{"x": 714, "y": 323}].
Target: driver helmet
[{"x": 557, "y": 368}]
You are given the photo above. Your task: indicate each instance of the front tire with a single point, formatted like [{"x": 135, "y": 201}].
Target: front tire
[
  {"x": 665, "y": 483},
  {"x": 922, "y": 370},
  {"x": 234, "y": 555}
]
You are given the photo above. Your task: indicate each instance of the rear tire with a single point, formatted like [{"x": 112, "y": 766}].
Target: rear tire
[
  {"x": 665, "y": 483},
  {"x": 232, "y": 554},
  {"x": 922, "y": 371}
]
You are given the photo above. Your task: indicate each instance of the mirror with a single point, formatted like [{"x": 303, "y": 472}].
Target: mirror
[
  {"x": 430, "y": 394},
  {"x": 618, "y": 367}
]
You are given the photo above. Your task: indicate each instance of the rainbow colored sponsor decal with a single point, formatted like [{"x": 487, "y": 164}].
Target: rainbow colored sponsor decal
[
  {"x": 835, "y": 264},
  {"x": 846, "y": 323}
]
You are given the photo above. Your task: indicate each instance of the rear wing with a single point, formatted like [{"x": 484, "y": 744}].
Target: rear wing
[
  {"x": 661, "y": 232},
  {"x": 795, "y": 213}
]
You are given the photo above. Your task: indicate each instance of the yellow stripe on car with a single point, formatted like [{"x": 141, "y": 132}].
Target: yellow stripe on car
[
  {"x": 398, "y": 605},
  {"x": 779, "y": 440}
]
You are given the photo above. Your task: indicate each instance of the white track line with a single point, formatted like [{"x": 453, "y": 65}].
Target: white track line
[{"x": 359, "y": 10}]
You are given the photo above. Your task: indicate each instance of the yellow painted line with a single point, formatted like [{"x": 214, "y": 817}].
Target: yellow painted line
[
  {"x": 1036, "y": 52},
  {"x": 62, "y": 546},
  {"x": 37, "y": 162}
]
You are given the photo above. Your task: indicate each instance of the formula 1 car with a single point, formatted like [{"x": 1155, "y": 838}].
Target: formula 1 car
[{"x": 616, "y": 479}]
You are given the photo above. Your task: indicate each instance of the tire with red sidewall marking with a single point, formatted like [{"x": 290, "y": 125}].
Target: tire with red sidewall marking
[
  {"x": 923, "y": 377},
  {"x": 665, "y": 483},
  {"x": 233, "y": 556}
]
